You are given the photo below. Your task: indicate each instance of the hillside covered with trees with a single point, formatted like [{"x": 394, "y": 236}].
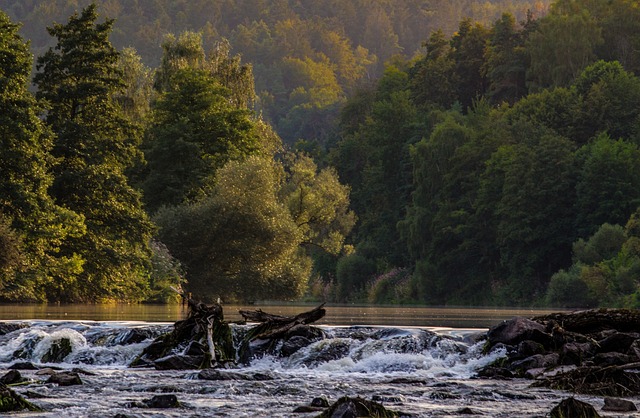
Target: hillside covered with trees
[{"x": 436, "y": 152}]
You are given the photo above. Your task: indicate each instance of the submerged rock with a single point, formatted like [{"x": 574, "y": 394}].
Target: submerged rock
[
  {"x": 163, "y": 402},
  {"x": 618, "y": 405},
  {"x": 217, "y": 374},
  {"x": 65, "y": 379}
]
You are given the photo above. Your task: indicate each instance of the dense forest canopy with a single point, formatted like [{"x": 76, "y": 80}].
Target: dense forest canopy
[{"x": 419, "y": 151}]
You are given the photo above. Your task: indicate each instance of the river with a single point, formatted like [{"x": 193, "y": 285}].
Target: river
[{"x": 420, "y": 361}]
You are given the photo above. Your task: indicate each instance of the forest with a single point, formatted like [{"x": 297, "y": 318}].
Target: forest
[{"x": 388, "y": 152}]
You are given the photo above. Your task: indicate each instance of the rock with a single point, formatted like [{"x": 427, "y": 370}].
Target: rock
[
  {"x": 347, "y": 407},
  {"x": 573, "y": 408},
  {"x": 217, "y": 374},
  {"x": 46, "y": 371},
  {"x": 23, "y": 365},
  {"x": 320, "y": 401},
  {"x": 387, "y": 399},
  {"x": 327, "y": 350},
  {"x": 538, "y": 361},
  {"x": 12, "y": 377},
  {"x": 618, "y": 405},
  {"x": 7, "y": 327},
  {"x": 179, "y": 362},
  {"x": 194, "y": 348},
  {"x": 529, "y": 348},
  {"x": 305, "y": 409},
  {"x": 443, "y": 395},
  {"x": 494, "y": 372},
  {"x": 612, "y": 359},
  {"x": 133, "y": 336},
  {"x": 468, "y": 411},
  {"x": 293, "y": 344},
  {"x": 516, "y": 330},
  {"x": 619, "y": 342},
  {"x": 576, "y": 353},
  {"x": 10, "y": 401},
  {"x": 65, "y": 379},
  {"x": 163, "y": 402},
  {"x": 58, "y": 351}
]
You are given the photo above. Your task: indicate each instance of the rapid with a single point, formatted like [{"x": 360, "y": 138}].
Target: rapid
[{"x": 419, "y": 371}]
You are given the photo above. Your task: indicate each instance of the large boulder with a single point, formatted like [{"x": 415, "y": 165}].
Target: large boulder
[{"x": 516, "y": 330}]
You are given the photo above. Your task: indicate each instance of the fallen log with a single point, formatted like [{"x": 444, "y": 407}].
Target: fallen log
[
  {"x": 595, "y": 320},
  {"x": 263, "y": 337},
  {"x": 275, "y": 326}
]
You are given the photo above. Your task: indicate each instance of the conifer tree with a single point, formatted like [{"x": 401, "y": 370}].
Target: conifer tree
[
  {"x": 78, "y": 79},
  {"x": 32, "y": 226}
]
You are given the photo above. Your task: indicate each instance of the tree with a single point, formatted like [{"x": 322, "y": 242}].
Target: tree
[
  {"x": 239, "y": 242},
  {"x": 79, "y": 79},
  {"x": 468, "y": 52},
  {"x": 560, "y": 47},
  {"x": 506, "y": 62},
  {"x": 535, "y": 212},
  {"x": 318, "y": 204},
  {"x": 608, "y": 188},
  {"x": 433, "y": 78},
  {"x": 194, "y": 131},
  {"x": 33, "y": 226}
]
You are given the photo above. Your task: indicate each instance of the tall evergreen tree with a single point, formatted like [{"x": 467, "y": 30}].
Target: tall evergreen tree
[
  {"x": 33, "y": 226},
  {"x": 78, "y": 79}
]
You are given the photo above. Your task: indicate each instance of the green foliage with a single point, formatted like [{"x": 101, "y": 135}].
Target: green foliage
[
  {"x": 166, "y": 276},
  {"x": 353, "y": 274},
  {"x": 10, "y": 249},
  {"x": 604, "y": 244},
  {"x": 567, "y": 289},
  {"x": 608, "y": 188},
  {"x": 239, "y": 243},
  {"x": 561, "y": 46},
  {"x": 194, "y": 131},
  {"x": 392, "y": 287},
  {"x": 318, "y": 203},
  {"x": 34, "y": 227},
  {"x": 95, "y": 143}
]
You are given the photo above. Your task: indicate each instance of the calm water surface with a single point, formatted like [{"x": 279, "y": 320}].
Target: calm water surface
[{"x": 455, "y": 317}]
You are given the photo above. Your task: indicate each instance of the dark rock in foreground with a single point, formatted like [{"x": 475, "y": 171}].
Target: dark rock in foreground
[
  {"x": 573, "y": 408},
  {"x": 347, "y": 407},
  {"x": 10, "y": 401}
]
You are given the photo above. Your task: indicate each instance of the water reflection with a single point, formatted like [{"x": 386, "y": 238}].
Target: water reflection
[{"x": 455, "y": 317}]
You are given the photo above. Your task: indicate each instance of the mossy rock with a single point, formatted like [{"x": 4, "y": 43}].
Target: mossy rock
[
  {"x": 58, "y": 351},
  {"x": 10, "y": 401}
]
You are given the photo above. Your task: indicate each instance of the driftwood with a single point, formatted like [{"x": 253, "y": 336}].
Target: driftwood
[
  {"x": 595, "y": 320},
  {"x": 204, "y": 327},
  {"x": 275, "y": 326}
]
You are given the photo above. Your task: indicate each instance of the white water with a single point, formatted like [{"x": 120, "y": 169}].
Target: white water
[{"x": 411, "y": 370}]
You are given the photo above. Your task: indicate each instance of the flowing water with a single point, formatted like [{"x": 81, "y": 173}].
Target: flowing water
[{"x": 423, "y": 369}]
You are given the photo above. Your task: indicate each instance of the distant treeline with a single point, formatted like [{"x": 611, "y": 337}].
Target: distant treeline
[
  {"x": 307, "y": 55},
  {"x": 432, "y": 152}
]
